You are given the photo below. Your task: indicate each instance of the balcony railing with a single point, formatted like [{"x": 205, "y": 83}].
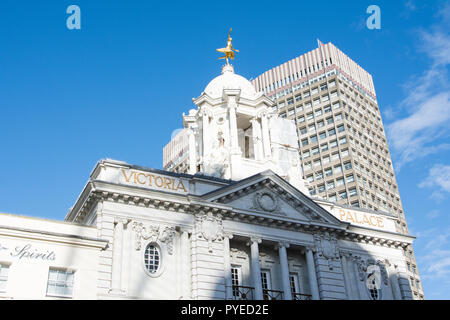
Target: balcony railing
[
  {"x": 242, "y": 293},
  {"x": 301, "y": 296},
  {"x": 247, "y": 293},
  {"x": 272, "y": 294}
]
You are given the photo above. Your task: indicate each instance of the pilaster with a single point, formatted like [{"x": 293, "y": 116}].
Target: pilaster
[
  {"x": 330, "y": 276},
  {"x": 207, "y": 257}
]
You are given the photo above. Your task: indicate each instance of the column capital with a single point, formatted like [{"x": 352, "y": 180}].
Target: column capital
[
  {"x": 253, "y": 240},
  {"x": 353, "y": 256},
  {"x": 283, "y": 244},
  {"x": 122, "y": 221},
  {"x": 344, "y": 254},
  {"x": 254, "y": 119},
  {"x": 228, "y": 235},
  {"x": 204, "y": 112},
  {"x": 184, "y": 230}
]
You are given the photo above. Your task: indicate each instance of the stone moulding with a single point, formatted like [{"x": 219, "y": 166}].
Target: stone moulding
[
  {"x": 327, "y": 247},
  {"x": 153, "y": 233},
  {"x": 209, "y": 227},
  {"x": 364, "y": 264},
  {"x": 229, "y": 213},
  {"x": 266, "y": 201}
]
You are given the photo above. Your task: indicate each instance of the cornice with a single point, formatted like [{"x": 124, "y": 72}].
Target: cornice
[
  {"x": 204, "y": 97},
  {"x": 193, "y": 205},
  {"x": 81, "y": 203},
  {"x": 286, "y": 196},
  {"x": 71, "y": 239}
]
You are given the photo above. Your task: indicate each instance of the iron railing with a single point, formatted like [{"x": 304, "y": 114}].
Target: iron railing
[
  {"x": 247, "y": 293},
  {"x": 301, "y": 296},
  {"x": 242, "y": 293},
  {"x": 272, "y": 294}
]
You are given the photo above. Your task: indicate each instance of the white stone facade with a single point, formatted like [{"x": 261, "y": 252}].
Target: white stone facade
[
  {"x": 240, "y": 225},
  {"x": 203, "y": 228},
  {"x": 30, "y": 248}
]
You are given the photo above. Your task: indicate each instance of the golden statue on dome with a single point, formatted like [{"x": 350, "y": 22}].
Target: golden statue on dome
[{"x": 228, "y": 50}]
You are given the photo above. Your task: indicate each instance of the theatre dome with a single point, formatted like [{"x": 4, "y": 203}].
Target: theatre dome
[{"x": 229, "y": 80}]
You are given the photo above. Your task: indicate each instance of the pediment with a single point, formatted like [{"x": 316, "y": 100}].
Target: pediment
[
  {"x": 268, "y": 194},
  {"x": 266, "y": 201}
]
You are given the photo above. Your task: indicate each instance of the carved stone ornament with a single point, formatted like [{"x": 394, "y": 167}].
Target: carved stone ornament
[
  {"x": 327, "y": 248},
  {"x": 236, "y": 254},
  {"x": 265, "y": 201},
  {"x": 209, "y": 227},
  {"x": 154, "y": 233},
  {"x": 365, "y": 266},
  {"x": 215, "y": 164}
]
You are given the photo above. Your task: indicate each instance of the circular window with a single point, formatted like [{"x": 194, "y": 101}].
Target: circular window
[
  {"x": 220, "y": 120},
  {"x": 152, "y": 258}
]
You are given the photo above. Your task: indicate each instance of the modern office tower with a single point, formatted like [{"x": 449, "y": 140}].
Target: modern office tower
[
  {"x": 344, "y": 152},
  {"x": 176, "y": 153}
]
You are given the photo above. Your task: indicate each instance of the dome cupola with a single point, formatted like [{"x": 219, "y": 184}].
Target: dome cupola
[{"x": 229, "y": 80}]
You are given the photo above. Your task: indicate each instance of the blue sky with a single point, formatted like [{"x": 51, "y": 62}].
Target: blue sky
[{"x": 117, "y": 89}]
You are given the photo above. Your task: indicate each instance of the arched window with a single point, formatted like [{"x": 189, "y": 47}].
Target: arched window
[
  {"x": 152, "y": 258},
  {"x": 373, "y": 282}
]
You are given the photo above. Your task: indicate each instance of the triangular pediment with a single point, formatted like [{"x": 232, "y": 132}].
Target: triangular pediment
[
  {"x": 268, "y": 194},
  {"x": 267, "y": 201}
]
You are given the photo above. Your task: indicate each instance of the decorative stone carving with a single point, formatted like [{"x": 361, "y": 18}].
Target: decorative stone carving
[
  {"x": 166, "y": 237},
  {"x": 282, "y": 244},
  {"x": 216, "y": 163},
  {"x": 267, "y": 257},
  {"x": 364, "y": 265},
  {"x": 220, "y": 119},
  {"x": 266, "y": 201},
  {"x": 327, "y": 248},
  {"x": 209, "y": 227},
  {"x": 236, "y": 254},
  {"x": 154, "y": 233}
]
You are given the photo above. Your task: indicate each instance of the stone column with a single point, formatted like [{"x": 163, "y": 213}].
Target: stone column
[
  {"x": 206, "y": 133},
  {"x": 356, "y": 280},
  {"x": 405, "y": 286},
  {"x": 312, "y": 274},
  {"x": 266, "y": 136},
  {"x": 192, "y": 153},
  {"x": 116, "y": 277},
  {"x": 233, "y": 125},
  {"x": 393, "y": 279},
  {"x": 185, "y": 265},
  {"x": 345, "y": 271},
  {"x": 227, "y": 266},
  {"x": 257, "y": 140},
  {"x": 256, "y": 269},
  {"x": 285, "y": 270}
]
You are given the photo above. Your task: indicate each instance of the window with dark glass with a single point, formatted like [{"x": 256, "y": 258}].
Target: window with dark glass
[{"x": 152, "y": 258}]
